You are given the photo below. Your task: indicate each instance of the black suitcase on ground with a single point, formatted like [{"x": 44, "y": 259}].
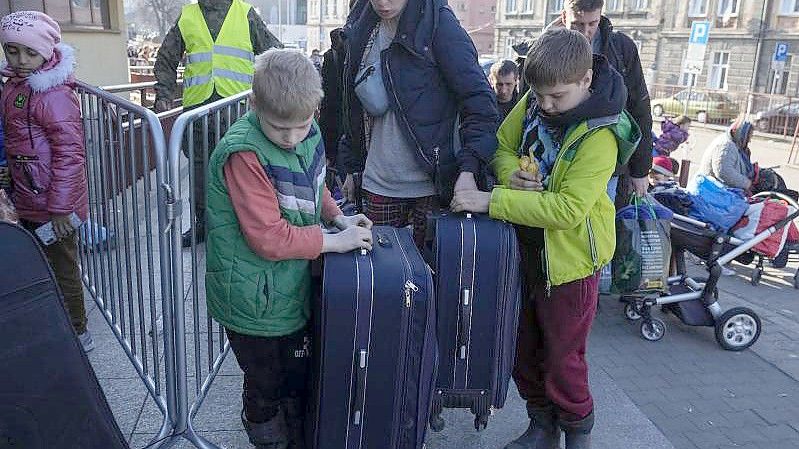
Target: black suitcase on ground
[
  {"x": 375, "y": 347},
  {"x": 49, "y": 396},
  {"x": 478, "y": 295}
]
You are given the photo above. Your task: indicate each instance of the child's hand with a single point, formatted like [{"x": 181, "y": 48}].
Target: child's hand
[
  {"x": 344, "y": 222},
  {"x": 347, "y": 240},
  {"x": 62, "y": 226},
  {"x": 522, "y": 180},
  {"x": 470, "y": 201}
]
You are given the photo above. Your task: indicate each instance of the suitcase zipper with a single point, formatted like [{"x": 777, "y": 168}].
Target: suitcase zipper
[{"x": 407, "y": 312}]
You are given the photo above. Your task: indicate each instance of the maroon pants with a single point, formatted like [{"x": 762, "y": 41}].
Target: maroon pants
[{"x": 551, "y": 369}]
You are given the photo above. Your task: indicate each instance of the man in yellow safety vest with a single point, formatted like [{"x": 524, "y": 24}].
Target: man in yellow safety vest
[{"x": 220, "y": 39}]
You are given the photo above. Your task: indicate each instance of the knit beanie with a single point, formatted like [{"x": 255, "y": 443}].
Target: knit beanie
[
  {"x": 663, "y": 165},
  {"x": 32, "y": 29}
]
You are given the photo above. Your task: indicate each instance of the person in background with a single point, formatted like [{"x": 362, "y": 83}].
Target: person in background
[
  {"x": 728, "y": 159},
  {"x": 220, "y": 39},
  {"x": 45, "y": 146},
  {"x": 673, "y": 134},
  {"x": 664, "y": 170},
  {"x": 316, "y": 58},
  {"x": 504, "y": 78}
]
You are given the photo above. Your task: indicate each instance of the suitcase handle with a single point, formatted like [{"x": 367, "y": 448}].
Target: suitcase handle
[
  {"x": 465, "y": 327},
  {"x": 361, "y": 361}
]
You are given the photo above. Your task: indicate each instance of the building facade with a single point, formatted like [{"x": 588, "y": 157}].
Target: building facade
[
  {"x": 324, "y": 16},
  {"x": 97, "y": 31},
  {"x": 743, "y": 37},
  {"x": 286, "y": 19},
  {"x": 478, "y": 18},
  {"x": 521, "y": 20}
]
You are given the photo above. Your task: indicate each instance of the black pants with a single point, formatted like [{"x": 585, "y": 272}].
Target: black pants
[{"x": 275, "y": 368}]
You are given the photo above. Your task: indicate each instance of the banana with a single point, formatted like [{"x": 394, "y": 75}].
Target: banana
[{"x": 528, "y": 164}]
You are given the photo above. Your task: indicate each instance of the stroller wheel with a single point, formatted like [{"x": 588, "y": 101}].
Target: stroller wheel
[
  {"x": 631, "y": 312},
  {"x": 653, "y": 330},
  {"x": 738, "y": 329}
]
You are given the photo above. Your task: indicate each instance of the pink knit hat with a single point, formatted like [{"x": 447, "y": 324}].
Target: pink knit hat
[{"x": 32, "y": 29}]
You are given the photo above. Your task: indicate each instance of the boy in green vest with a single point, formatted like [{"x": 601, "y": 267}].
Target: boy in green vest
[
  {"x": 266, "y": 201},
  {"x": 573, "y": 126}
]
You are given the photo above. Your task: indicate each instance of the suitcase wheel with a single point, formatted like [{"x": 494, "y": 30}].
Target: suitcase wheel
[
  {"x": 437, "y": 423},
  {"x": 480, "y": 422}
]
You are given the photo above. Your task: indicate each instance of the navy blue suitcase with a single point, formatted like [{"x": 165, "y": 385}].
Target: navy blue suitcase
[
  {"x": 49, "y": 395},
  {"x": 375, "y": 347},
  {"x": 478, "y": 294}
]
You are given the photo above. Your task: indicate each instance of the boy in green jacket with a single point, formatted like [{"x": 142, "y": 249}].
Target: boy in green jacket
[
  {"x": 266, "y": 200},
  {"x": 572, "y": 124}
]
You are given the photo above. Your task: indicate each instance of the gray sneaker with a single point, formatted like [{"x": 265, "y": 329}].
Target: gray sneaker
[{"x": 86, "y": 341}]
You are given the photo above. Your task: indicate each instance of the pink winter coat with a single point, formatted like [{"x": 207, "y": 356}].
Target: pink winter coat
[{"x": 44, "y": 141}]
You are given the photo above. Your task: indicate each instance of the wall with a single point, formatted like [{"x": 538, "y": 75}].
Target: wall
[{"x": 102, "y": 55}]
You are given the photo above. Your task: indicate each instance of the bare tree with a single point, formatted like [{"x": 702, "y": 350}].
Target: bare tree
[
  {"x": 165, "y": 13},
  {"x": 156, "y": 15}
]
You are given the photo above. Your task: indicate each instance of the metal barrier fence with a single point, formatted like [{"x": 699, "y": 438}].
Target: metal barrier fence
[
  {"x": 124, "y": 252},
  {"x": 198, "y": 339},
  {"x": 773, "y": 114}
]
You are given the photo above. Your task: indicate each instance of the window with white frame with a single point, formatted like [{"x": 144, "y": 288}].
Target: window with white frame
[
  {"x": 790, "y": 7},
  {"x": 697, "y": 8},
  {"x": 728, "y": 8},
  {"x": 640, "y": 5},
  {"x": 510, "y": 41},
  {"x": 685, "y": 77},
  {"x": 614, "y": 6},
  {"x": 527, "y": 6},
  {"x": 555, "y": 6},
  {"x": 86, "y": 14},
  {"x": 720, "y": 68},
  {"x": 510, "y": 6}
]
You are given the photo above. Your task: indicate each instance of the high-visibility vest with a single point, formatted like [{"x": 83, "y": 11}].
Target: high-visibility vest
[{"x": 225, "y": 65}]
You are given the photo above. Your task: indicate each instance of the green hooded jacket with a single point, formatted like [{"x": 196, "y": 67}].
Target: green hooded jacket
[{"x": 575, "y": 211}]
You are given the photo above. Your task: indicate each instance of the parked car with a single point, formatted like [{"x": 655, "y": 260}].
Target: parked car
[
  {"x": 704, "y": 107},
  {"x": 778, "y": 119}
]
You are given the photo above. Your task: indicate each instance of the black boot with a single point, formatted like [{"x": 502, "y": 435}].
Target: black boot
[
  {"x": 186, "y": 241},
  {"x": 272, "y": 434},
  {"x": 542, "y": 433},
  {"x": 295, "y": 420},
  {"x": 578, "y": 433}
]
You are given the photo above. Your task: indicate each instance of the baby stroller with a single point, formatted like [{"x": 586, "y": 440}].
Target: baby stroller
[
  {"x": 695, "y": 300},
  {"x": 768, "y": 180}
]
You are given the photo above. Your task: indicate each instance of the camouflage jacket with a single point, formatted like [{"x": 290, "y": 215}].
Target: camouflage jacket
[{"x": 172, "y": 49}]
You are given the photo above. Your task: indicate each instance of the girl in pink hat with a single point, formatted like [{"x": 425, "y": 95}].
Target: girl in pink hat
[{"x": 44, "y": 144}]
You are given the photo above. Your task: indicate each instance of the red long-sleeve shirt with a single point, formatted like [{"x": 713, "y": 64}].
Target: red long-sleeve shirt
[{"x": 255, "y": 202}]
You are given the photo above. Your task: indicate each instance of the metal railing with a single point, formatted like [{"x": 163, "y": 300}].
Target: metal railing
[
  {"x": 142, "y": 93},
  {"x": 773, "y": 114},
  {"x": 196, "y": 333},
  {"x": 124, "y": 254}
]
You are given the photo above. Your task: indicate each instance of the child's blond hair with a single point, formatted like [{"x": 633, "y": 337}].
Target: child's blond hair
[
  {"x": 559, "y": 56},
  {"x": 286, "y": 85}
]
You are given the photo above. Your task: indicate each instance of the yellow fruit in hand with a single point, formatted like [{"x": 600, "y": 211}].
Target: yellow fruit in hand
[{"x": 528, "y": 164}]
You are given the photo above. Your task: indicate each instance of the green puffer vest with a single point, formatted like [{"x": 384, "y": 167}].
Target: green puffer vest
[{"x": 246, "y": 293}]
